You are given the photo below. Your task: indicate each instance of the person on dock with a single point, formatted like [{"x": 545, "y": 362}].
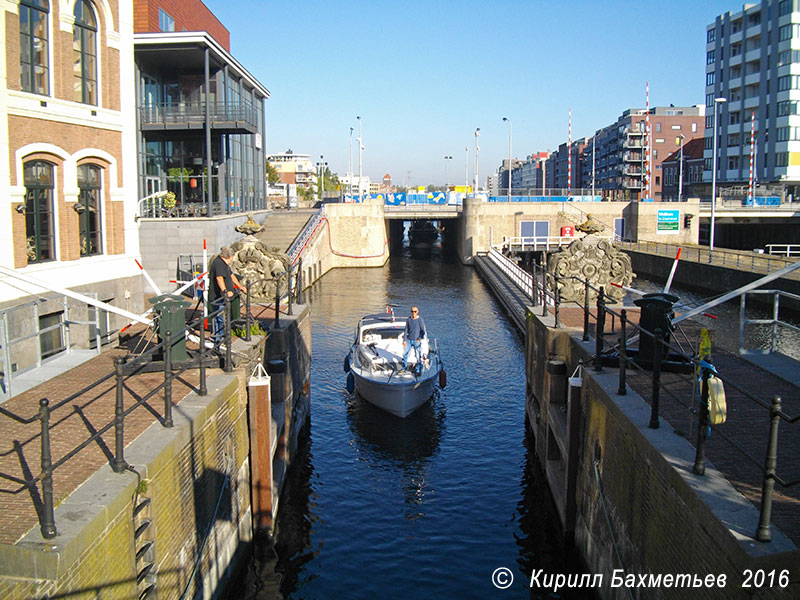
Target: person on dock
[
  {"x": 223, "y": 283},
  {"x": 415, "y": 331}
]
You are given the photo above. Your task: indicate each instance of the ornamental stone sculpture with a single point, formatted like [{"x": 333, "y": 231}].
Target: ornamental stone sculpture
[
  {"x": 592, "y": 258},
  {"x": 264, "y": 267}
]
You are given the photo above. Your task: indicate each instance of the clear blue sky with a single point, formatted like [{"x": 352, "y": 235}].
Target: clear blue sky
[{"x": 424, "y": 74}]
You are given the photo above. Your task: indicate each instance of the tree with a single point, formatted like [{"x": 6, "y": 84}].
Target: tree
[{"x": 273, "y": 176}]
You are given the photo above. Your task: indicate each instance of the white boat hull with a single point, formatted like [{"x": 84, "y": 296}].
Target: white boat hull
[{"x": 401, "y": 396}]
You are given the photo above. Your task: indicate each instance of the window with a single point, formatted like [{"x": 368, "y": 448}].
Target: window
[
  {"x": 733, "y": 139},
  {"x": 676, "y": 127},
  {"x": 733, "y": 162},
  {"x": 736, "y": 49},
  {"x": 754, "y": 19},
  {"x": 38, "y": 177},
  {"x": 709, "y": 99},
  {"x": 736, "y": 26},
  {"x": 708, "y": 164},
  {"x": 165, "y": 22},
  {"x": 783, "y": 134},
  {"x": 788, "y": 82},
  {"x": 33, "y": 46},
  {"x": 709, "y": 121},
  {"x": 736, "y": 72},
  {"x": 781, "y": 159},
  {"x": 787, "y": 107},
  {"x": 787, "y": 57},
  {"x": 88, "y": 207},
  {"x": 735, "y": 95},
  {"x": 787, "y": 32},
  {"x": 659, "y": 140},
  {"x": 658, "y": 127},
  {"x": 711, "y": 35},
  {"x": 694, "y": 127},
  {"x": 84, "y": 54},
  {"x": 51, "y": 334},
  {"x": 710, "y": 57},
  {"x": 710, "y": 78},
  {"x": 735, "y": 118},
  {"x": 785, "y": 7},
  {"x": 707, "y": 142}
]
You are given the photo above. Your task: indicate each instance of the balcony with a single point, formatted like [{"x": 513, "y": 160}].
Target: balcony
[{"x": 225, "y": 117}]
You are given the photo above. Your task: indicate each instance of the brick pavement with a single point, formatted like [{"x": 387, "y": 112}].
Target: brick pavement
[
  {"x": 747, "y": 424},
  {"x": 72, "y": 424}
]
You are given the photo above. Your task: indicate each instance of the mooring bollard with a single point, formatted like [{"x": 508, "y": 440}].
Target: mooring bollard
[
  {"x": 289, "y": 291},
  {"x": 601, "y": 326},
  {"x": 168, "y": 379},
  {"x": 48, "y": 523},
  {"x": 770, "y": 472},
  {"x": 118, "y": 464},
  {"x": 586, "y": 310},
  {"x": 300, "y": 299}
]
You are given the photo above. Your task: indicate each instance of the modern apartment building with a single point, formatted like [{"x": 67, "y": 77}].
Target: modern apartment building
[
  {"x": 294, "y": 168},
  {"x": 752, "y": 77},
  {"x": 687, "y": 164},
  {"x": 528, "y": 176},
  {"x": 620, "y": 160},
  {"x": 201, "y": 124}
]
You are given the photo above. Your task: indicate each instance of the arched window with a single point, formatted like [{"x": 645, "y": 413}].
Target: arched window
[
  {"x": 33, "y": 46},
  {"x": 84, "y": 54},
  {"x": 38, "y": 177},
  {"x": 88, "y": 207}
]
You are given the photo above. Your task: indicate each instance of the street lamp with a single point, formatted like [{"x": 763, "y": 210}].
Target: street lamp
[
  {"x": 509, "y": 156},
  {"x": 475, "y": 181},
  {"x": 447, "y": 178},
  {"x": 360, "y": 157},
  {"x": 680, "y": 171},
  {"x": 350, "y": 167},
  {"x": 717, "y": 102},
  {"x": 466, "y": 169}
]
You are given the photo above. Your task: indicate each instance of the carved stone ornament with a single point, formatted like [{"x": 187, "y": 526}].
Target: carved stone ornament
[
  {"x": 250, "y": 227},
  {"x": 265, "y": 268},
  {"x": 594, "y": 259}
]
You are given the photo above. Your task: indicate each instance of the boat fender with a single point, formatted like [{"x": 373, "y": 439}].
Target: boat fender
[
  {"x": 351, "y": 383},
  {"x": 347, "y": 363},
  {"x": 717, "y": 407},
  {"x": 442, "y": 379}
]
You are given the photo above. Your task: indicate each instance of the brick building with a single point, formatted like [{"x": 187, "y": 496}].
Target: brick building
[
  {"x": 67, "y": 165},
  {"x": 692, "y": 171}
]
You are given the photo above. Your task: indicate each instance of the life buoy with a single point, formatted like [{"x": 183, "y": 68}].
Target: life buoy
[{"x": 717, "y": 407}]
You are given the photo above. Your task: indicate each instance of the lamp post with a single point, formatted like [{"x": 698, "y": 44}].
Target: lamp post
[
  {"x": 447, "y": 160},
  {"x": 593, "y": 163},
  {"x": 466, "y": 169},
  {"x": 680, "y": 171},
  {"x": 350, "y": 167},
  {"x": 509, "y": 156},
  {"x": 475, "y": 180},
  {"x": 360, "y": 141},
  {"x": 717, "y": 102}
]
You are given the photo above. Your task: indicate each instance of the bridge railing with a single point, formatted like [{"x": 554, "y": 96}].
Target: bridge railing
[{"x": 756, "y": 262}]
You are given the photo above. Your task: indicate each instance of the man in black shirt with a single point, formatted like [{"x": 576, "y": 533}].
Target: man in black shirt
[
  {"x": 223, "y": 283},
  {"x": 415, "y": 331}
]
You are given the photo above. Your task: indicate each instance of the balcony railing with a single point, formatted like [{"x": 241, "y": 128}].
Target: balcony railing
[{"x": 186, "y": 113}]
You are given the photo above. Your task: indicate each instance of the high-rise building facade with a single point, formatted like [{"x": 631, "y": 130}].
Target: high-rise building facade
[{"x": 752, "y": 81}]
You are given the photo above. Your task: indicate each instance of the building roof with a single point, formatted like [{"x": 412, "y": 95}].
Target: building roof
[
  {"x": 187, "y": 49},
  {"x": 692, "y": 150}
]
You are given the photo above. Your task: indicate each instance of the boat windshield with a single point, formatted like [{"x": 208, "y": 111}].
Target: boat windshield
[{"x": 381, "y": 333}]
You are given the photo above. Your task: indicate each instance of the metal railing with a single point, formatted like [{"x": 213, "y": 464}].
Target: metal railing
[
  {"x": 538, "y": 290},
  {"x": 787, "y": 250},
  {"x": 195, "y": 112},
  {"x": 739, "y": 259},
  {"x": 299, "y": 244},
  {"x": 122, "y": 373},
  {"x": 63, "y": 327},
  {"x": 775, "y": 323}
]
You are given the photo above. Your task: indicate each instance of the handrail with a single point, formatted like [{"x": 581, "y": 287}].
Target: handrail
[
  {"x": 299, "y": 244},
  {"x": 122, "y": 372}
]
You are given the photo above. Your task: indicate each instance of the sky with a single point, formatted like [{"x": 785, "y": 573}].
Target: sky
[{"x": 424, "y": 74}]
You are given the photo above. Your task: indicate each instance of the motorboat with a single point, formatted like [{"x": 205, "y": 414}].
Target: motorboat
[{"x": 374, "y": 365}]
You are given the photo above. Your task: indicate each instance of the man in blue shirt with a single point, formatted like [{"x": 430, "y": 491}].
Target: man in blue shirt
[{"x": 415, "y": 331}]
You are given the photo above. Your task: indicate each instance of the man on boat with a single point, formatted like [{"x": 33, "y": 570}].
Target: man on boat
[{"x": 415, "y": 331}]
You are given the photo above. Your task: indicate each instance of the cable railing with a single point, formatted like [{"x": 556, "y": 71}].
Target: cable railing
[{"x": 122, "y": 374}]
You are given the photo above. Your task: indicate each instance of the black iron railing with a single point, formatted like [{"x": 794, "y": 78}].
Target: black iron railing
[
  {"x": 121, "y": 374},
  {"x": 195, "y": 112}
]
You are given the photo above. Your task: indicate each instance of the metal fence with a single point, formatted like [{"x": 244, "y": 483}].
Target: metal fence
[{"x": 544, "y": 288}]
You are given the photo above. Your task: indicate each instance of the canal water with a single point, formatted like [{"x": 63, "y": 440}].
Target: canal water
[{"x": 431, "y": 505}]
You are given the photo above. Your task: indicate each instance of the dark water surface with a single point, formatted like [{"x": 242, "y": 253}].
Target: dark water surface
[{"x": 428, "y": 506}]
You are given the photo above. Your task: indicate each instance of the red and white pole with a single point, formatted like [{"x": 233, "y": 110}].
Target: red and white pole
[
  {"x": 569, "y": 153},
  {"x": 751, "y": 191},
  {"x": 647, "y": 140}
]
